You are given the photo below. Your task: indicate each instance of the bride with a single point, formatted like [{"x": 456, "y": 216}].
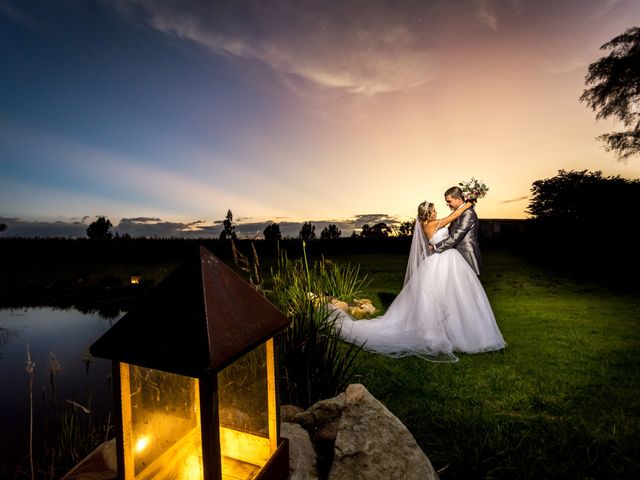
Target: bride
[{"x": 442, "y": 307}]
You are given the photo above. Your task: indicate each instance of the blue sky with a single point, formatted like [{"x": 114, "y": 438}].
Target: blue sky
[{"x": 162, "y": 115}]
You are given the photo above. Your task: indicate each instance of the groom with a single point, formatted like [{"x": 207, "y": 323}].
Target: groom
[{"x": 463, "y": 231}]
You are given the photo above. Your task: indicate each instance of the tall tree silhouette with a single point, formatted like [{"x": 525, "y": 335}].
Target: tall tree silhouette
[
  {"x": 272, "y": 232},
  {"x": 308, "y": 231},
  {"x": 406, "y": 228},
  {"x": 378, "y": 230},
  {"x": 614, "y": 91},
  {"x": 100, "y": 229},
  {"x": 330, "y": 233},
  {"x": 228, "y": 229}
]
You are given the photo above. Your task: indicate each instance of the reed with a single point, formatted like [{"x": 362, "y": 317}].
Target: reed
[
  {"x": 315, "y": 363},
  {"x": 29, "y": 368},
  {"x": 60, "y": 431}
]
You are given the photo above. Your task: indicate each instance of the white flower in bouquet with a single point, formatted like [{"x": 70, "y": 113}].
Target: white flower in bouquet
[{"x": 473, "y": 189}]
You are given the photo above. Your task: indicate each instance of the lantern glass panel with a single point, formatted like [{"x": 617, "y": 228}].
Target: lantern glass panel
[
  {"x": 161, "y": 424},
  {"x": 243, "y": 396}
]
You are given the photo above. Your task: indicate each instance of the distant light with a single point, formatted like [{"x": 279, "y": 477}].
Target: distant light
[{"x": 135, "y": 279}]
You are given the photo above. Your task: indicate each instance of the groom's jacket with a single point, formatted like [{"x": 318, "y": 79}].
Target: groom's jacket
[{"x": 463, "y": 236}]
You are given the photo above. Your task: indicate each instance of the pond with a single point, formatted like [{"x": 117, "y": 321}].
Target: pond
[{"x": 64, "y": 372}]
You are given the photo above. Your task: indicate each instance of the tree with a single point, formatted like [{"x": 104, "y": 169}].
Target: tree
[
  {"x": 99, "y": 230},
  {"x": 573, "y": 198},
  {"x": 272, "y": 232},
  {"x": 376, "y": 231},
  {"x": 308, "y": 231},
  {"x": 229, "y": 230},
  {"x": 3, "y": 227},
  {"x": 614, "y": 90},
  {"x": 330, "y": 233},
  {"x": 406, "y": 228}
]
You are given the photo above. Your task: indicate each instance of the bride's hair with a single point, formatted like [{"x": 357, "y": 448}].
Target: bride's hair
[{"x": 425, "y": 211}]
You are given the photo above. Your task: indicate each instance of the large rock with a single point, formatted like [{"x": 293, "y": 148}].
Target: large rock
[
  {"x": 327, "y": 411},
  {"x": 372, "y": 444},
  {"x": 288, "y": 413},
  {"x": 302, "y": 456},
  {"x": 323, "y": 428},
  {"x": 101, "y": 464}
]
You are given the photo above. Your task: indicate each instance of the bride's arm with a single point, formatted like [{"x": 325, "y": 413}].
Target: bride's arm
[
  {"x": 431, "y": 226},
  {"x": 455, "y": 214}
]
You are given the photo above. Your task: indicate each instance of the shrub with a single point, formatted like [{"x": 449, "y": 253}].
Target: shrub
[{"x": 315, "y": 363}]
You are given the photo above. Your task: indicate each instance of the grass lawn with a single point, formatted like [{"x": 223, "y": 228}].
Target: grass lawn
[{"x": 562, "y": 401}]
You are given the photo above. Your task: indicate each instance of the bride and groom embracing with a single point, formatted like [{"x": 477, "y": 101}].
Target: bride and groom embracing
[{"x": 442, "y": 307}]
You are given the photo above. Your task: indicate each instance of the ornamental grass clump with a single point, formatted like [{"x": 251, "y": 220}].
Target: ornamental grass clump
[
  {"x": 341, "y": 281},
  {"x": 315, "y": 363}
]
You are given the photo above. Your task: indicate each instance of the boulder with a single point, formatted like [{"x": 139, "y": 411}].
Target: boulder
[
  {"x": 326, "y": 411},
  {"x": 101, "y": 464},
  {"x": 306, "y": 420},
  {"x": 374, "y": 443},
  {"x": 302, "y": 456},
  {"x": 288, "y": 413}
]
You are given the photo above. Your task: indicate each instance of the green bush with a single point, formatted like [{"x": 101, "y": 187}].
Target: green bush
[{"x": 315, "y": 363}]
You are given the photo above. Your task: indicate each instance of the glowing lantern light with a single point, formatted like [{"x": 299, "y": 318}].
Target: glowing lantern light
[{"x": 195, "y": 381}]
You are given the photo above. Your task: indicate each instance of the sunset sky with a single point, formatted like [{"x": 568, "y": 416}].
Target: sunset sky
[{"x": 161, "y": 115}]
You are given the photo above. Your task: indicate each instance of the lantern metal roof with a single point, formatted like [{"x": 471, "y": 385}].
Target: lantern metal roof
[{"x": 199, "y": 319}]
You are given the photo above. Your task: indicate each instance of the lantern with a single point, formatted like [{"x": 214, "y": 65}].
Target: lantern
[{"x": 195, "y": 371}]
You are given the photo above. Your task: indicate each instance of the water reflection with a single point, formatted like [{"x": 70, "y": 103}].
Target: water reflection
[{"x": 63, "y": 371}]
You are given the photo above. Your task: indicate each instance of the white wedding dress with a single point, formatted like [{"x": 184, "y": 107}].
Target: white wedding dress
[{"x": 441, "y": 309}]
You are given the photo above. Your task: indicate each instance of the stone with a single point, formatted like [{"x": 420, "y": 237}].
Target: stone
[
  {"x": 344, "y": 306},
  {"x": 324, "y": 441},
  {"x": 358, "y": 312},
  {"x": 288, "y": 413},
  {"x": 374, "y": 443},
  {"x": 328, "y": 433},
  {"x": 306, "y": 420},
  {"x": 302, "y": 456},
  {"x": 101, "y": 464},
  {"x": 326, "y": 411}
]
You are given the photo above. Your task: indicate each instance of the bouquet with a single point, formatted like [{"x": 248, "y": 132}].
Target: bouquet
[{"x": 473, "y": 190}]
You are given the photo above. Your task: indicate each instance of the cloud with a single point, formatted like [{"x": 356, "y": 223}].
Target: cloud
[
  {"x": 153, "y": 227},
  {"x": 139, "y": 220},
  {"x": 602, "y": 9},
  {"x": 486, "y": 14},
  {"x": 356, "y": 46},
  {"x": 17, "y": 227},
  {"x": 373, "y": 218},
  {"x": 86, "y": 175},
  {"x": 514, "y": 200},
  {"x": 561, "y": 63}
]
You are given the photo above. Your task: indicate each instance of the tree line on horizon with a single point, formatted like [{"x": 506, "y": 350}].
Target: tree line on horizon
[
  {"x": 100, "y": 229},
  {"x": 569, "y": 200}
]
